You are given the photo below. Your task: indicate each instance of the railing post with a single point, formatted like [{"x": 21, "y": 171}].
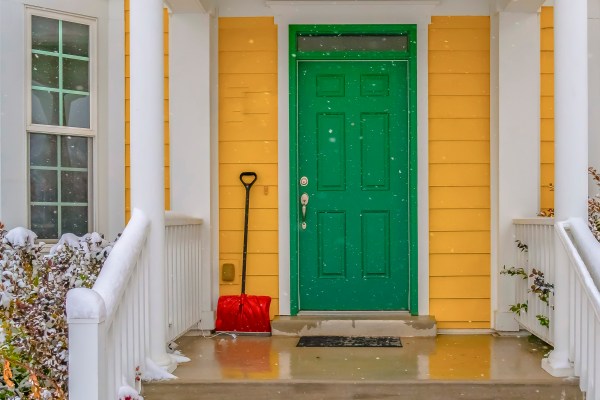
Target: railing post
[{"x": 86, "y": 316}]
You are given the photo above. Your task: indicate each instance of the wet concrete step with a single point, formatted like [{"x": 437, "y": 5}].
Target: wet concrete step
[
  {"x": 380, "y": 324},
  {"x": 405, "y": 390}
]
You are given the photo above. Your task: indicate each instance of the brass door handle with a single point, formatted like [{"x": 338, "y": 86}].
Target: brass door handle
[{"x": 304, "y": 202}]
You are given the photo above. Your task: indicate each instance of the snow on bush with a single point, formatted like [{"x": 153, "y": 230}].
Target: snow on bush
[
  {"x": 33, "y": 326},
  {"x": 594, "y": 206}
]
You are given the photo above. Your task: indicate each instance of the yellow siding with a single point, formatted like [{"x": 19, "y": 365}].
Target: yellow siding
[
  {"x": 459, "y": 171},
  {"x": 547, "y": 108},
  {"x": 127, "y": 119},
  {"x": 248, "y": 142}
]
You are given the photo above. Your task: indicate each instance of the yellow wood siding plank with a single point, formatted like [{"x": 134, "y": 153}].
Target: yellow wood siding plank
[
  {"x": 229, "y": 174},
  {"x": 459, "y": 220},
  {"x": 246, "y": 22},
  {"x": 459, "y": 84},
  {"x": 460, "y": 287},
  {"x": 459, "y": 175},
  {"x": 459, "y": 106},
  {"x": 260, "y": 264},
  {"x": 237, "y": 85},
  {"x": 547, "y": 152},
  {"x": 459, "y": 62},
  {"x": 547, "y": 107},
  {"x": 258, "y": 220},
  {"x": 459, "y": 242},
  {"x": 248, "y": 39},
  {"x": 244, "y": 62},
  {"x": 460, "y": 310},
  {"x": 459, "y": 129},
  {"x": 547, "y": 40},
  {"x": 460, "y": 22},
  {"x": 547, "y": 62},
  {"x": 547, "y": 85},
  {"x": 264, "y": 152},
  {"x": 459, "y": 152},
  {"x": 547, "y": 17},
  {"x": 249, "y": 127},
  {"x": 261, "y": 242},
  {"x": 459, "y": 39},
  {"x": 233, "y": 196},
  {"x": 459, "y": 197},
  {"x": 459, "y": 265}
]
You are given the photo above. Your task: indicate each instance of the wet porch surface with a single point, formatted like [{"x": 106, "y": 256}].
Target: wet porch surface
[{"x": 444, "y": 367}]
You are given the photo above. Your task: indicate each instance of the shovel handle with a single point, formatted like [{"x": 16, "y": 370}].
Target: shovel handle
[{"x": 243, "y": 178}]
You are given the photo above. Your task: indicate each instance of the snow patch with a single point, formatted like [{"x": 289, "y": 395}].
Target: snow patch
[
  {"x": 128, "y": 393},
  {"x": 20, "y": 237},
  {"x": 179, "y": 358},
  {"x": 155, "y": 373}
]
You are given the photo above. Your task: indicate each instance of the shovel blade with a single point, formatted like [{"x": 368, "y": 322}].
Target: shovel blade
[{"x": 243, "y": 313}]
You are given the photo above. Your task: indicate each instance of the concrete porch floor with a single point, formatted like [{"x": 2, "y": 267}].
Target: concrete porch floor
[{"x": 453, "y": 366}]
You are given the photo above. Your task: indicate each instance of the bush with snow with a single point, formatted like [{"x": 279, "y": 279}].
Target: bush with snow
[{"x": 33, "y": 326}]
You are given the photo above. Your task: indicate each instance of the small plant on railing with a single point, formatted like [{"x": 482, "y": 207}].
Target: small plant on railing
[
  {"x": 519, "y": 307},
  {"x": 539, "y": 286},
  {"x": 33, "y": 326},
  {"x": 543, "y": 320}
]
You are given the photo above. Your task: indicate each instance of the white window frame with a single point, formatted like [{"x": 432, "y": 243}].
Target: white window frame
[
  {"x": 90, "y": 132},
  {"x": 93, "y": 63}
]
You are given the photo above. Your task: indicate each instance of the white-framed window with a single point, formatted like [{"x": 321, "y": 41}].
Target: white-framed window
[{"x": 61, "y": 121}]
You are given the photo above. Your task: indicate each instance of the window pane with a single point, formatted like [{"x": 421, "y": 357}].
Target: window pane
[
  {"x": 44, "y": 221},
  {"x": 353, "y": 43},
  {"x": 74, "y": 152},
  {"x": 43, "y": 185},
  {"x": 44, "y": 107},
  {"x": 44, "y": 71},
  {"x": 76, "y": 39},
  {"x": 77, "y": 110},
  {"x": 42, "y": 150},
  {"x": 75, "y": 75},
  {"x": 74, "y": 220},
  {"x": 44, "y": 33},
  {"x": 74, "y": 188}
]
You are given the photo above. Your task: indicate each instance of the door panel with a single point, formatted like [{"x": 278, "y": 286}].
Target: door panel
[{"x": 353, "y": 146}]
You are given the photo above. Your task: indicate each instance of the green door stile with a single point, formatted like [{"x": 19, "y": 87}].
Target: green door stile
[{"x": 353, "y": 135}]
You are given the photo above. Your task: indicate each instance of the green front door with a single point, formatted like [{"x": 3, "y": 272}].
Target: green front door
[{"x": 353, "y": 133}]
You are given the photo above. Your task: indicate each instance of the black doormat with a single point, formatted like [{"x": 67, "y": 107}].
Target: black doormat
[{"x": 346, "y": 341}]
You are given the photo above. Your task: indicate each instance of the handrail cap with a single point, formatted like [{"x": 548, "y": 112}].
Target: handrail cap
[
  {"x": 534, "y": 221},
  {"x": 85, "y": 304},
  {"x": 173, "y": 218}
]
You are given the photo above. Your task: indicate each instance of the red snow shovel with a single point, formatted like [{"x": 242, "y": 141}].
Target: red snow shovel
[{"x": 244, "y": 313}]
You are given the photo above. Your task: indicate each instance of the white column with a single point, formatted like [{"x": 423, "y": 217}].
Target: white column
[
  {"x": 518, "y": 145},
  {"x": 571, "y": 155},
  {"x": 147, "y": 153},
  {"x": 190, "y": 127}
]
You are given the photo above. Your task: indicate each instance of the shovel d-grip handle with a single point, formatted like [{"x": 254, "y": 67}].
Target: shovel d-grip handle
[
  {"x": 247, "y": 184},
  {"x": 244, "y": 180}
]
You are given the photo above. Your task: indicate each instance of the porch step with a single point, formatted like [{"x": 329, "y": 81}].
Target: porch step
[
  {"x": 409, "y": 390},
  {"x": 378, "y": 324}
]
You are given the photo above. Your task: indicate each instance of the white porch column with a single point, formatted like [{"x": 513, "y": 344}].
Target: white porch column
[
  {"x": 147, "y": 153},
  {"x": 571, "y": 155},
  {"x": 518, "y": 164}
]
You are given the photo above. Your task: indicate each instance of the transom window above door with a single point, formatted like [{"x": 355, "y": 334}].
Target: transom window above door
[{"x": 352, "y": 42}]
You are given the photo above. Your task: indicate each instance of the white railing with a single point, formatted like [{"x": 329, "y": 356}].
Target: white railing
[
  {"x": 183, "y": 259},
  {"x": 584, "y": 303},
  {"x": 108, "y": 324},
  {"x": 538, "y": 235}
]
